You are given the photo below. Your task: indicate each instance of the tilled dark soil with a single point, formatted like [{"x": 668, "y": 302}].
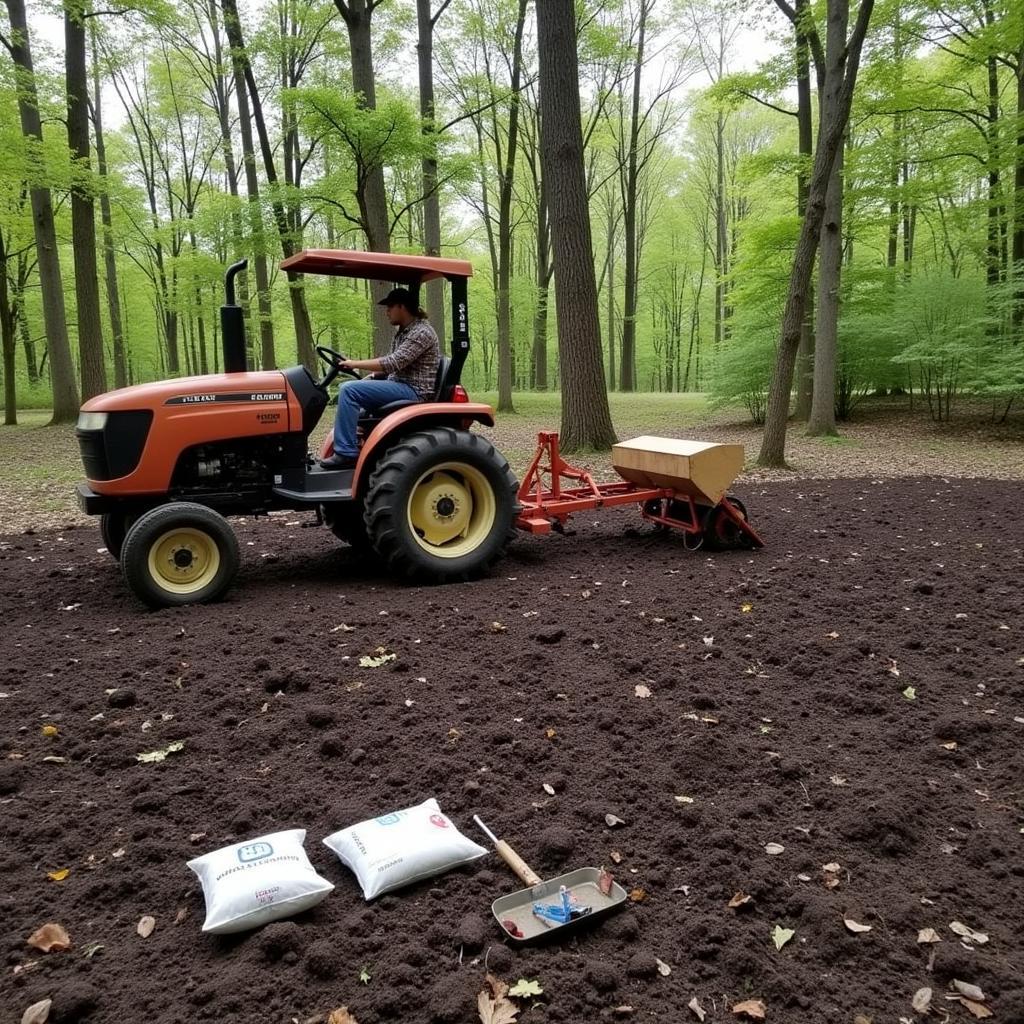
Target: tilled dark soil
[{"x": 779, "y": 705}]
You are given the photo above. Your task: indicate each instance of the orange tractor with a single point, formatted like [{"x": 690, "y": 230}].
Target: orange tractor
[{"x": 167, "y": 462}]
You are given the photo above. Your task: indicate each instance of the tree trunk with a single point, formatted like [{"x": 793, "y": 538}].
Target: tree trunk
[
  {"x": 842, "y": 62},
  {"x": 106, "y": 219},
  {"x": 830, "y": 265},
  {"x": 1018, "y": 209},
  {"x": 506, "y": 182},
  {"x": 805, "y": 131},
  {"x": 62, "y": 371},
  {"x": 9, "y": 341},
  {"x": 357, "y": 15},
  {"x": 540, "y": 320},
  {"x": 586, "y": 419},
  {"x": 92, "y": 365},
  {"x": 428, "y": 167}
]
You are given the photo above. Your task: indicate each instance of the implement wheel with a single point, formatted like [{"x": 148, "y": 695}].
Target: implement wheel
[
  {"x": 178, "y": 554},
  {"x": 721, "y": 532},
  {"x": 440, "y": 505},
  {"x": 346, "y": 522},
  {"x": 114, "y": 528}
]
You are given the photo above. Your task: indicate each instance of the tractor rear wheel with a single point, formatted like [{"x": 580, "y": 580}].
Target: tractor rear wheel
[
  {"x": 721, "y": 532},
  {"x": 181, "y": 553},
  {"x": 114, "y": 528},
  {"x": 440, "y": 505}
]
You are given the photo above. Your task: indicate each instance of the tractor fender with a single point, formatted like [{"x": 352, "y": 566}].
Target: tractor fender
[{"x": 428, "y": 414}]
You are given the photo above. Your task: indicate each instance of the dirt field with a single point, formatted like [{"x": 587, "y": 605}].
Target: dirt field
[{"x": 853, "y": 693}]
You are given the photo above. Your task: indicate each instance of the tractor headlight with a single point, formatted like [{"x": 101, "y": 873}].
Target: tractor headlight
[{"x": 92, "y": 420}]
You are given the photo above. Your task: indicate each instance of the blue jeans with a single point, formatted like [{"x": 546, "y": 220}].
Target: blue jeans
[{"x": 370, "y": 395}]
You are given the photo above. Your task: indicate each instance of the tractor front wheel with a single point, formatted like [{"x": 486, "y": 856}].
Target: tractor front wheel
[
  {"x": 181, "y": 553},
  {"x": 440, "y": 505},
  {"x": 114, "y": 528}
]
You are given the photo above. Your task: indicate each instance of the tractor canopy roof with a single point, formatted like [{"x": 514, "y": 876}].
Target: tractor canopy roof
[{"x": 376, "y": 266}]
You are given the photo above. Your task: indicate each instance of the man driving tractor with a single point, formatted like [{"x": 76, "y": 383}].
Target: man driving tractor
[{"x": 410, "y": 368}]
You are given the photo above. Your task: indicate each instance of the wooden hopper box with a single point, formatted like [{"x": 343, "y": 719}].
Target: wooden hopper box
[{"x": 701, "y": 469}]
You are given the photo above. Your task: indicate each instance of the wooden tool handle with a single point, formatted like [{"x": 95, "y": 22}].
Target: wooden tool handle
[{"x": 523, "y": 870}]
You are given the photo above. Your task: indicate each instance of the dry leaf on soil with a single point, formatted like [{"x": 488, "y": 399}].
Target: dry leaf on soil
[
  {"x": 928, "y": 935},
  {"x": 58, "y": 876},
  {"x": 145, "y": 926},
  {"x": 740, "y": 899},
  {"x": 959, "y": 928},
  {"x": 526, "y": 989},
  {"x": 50, "y": 938},
  {"x": 922, "y": 1000},
  {"x": 663, "y": 968},
  {"x": 616, "y": 856},
  {"x": 699, "y": 1011},
  {"x": 641, "y": 691},
  {"x": 638, "y": 895},
  {"x": 752, "y": 1008},
  {"x": 493, "y": 1003},
  {"x": 604, "y": 882},
  {"x": 341, "y": 1016},
  {"x": 774, "y": 849},
  {"x": 780, "y": 936},
  {"x": 979, "y": 1010},
  {"x": 855, "y": 926},
  {"x": 548, "y": 788},
  {"x": 611, "y": 820},
  {"x": 37, "y": 1013},
  {"x": 969, "y": 991}
]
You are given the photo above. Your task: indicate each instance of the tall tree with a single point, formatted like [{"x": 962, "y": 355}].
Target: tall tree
[
  {"x": 62, "y": 372},
  {"x": 842, "y": 61},
  {"x": 358, "y": 18},
  {"x": 91, "y": 362},
  {"x": 586, "y": 418}
]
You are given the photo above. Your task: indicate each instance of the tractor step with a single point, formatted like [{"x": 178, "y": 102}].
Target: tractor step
[{"x": 321, "y": 486}]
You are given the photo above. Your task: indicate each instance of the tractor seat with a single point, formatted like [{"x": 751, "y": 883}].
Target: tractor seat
[{"x": 440, "y": 389}]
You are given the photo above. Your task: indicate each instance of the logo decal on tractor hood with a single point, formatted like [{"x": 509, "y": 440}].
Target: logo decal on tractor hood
[{"x": 226, "y": 396}]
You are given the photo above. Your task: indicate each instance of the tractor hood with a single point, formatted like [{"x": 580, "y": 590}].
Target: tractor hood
[{"x": 209, "y": 389}]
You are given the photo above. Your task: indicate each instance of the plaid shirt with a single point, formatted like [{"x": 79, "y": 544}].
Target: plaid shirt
[{"x": 414, "y": 356}]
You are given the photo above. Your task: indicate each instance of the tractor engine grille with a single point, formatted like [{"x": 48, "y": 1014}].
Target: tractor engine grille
[{"x": 114, "y": 450}]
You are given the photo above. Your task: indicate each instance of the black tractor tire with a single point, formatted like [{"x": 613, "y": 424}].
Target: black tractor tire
[
  {"x": 180, "y": 553},
  {"x": 440, "y": 506},
  {"x": 346, "y": 522},
  {"x": 720, "y": 532},
  {"x": 114, "y": 527}
]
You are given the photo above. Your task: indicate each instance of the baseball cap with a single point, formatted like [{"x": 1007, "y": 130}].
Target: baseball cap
[{"x": 397, "y": 297}]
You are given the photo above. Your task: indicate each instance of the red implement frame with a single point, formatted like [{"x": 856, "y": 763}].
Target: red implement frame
[{"x": 547, "y": 505}]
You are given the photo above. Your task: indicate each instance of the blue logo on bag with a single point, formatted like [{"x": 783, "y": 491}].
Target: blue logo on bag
[
  {"x": 254, "y": 851},
  {"x": 389, "y": 819}
]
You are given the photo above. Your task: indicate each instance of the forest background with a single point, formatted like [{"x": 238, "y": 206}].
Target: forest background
[{"x": 176, "y": 137}]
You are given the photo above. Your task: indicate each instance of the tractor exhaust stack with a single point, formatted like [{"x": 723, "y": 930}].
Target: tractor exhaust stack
[{"x": 232, "y": 323}]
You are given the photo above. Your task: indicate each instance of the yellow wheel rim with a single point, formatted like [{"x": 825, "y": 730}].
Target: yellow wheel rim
[
  {"x": 183, "y": 560},
  {"x": 451, "y": 510}
]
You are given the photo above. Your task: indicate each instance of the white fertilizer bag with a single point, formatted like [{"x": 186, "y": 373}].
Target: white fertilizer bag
[
  {"x": 257, "y": 881},
  {"x": 396, "y": 849}
]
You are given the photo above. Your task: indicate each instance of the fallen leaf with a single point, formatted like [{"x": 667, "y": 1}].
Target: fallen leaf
[
  {"x": 752, "y": 1008},
  {"x": 774, "y": 849},
  {"x": 832, "y": 636},
  {"x": 910, "y": 693},
  {"x": 91, "y": 949},
  {"x": 928, "y": 935},
  {"x": 341, "y": 1016},
  {"x": 832, "y": 867},
  {"x": 638, "y": 895},
  {"x": 611, "y": 820},
  {"x": 58, "y": 876},
  {"x": 861, "y": 1019},
  {"x": 959, "y": 928},
  {"x": 604, "y": 882},
  {"x": 365, "y": 976},
  {"x": 969, "y": 991},
  {"x": 548, "y": 788},
  {"x": 641, "y": 691},
  {"x": 37, "y": 1013},
  {"x": 978, "y": 1010},
  {"x": 616, "y": 856},
  {"x": 922, "y": 1000},
  {"x": 699, "y": 1011},
  {"x": 550, "y": 733},
  {"x": 952, "y": 745},
  {"x": 855, "y": 926},
  {"x": 145, "y": 926},
  {"x": 53, "y": 760},
  {"x": 740, "y": 899},
  {"x": 382, "y": 657},
  {"x": 154, "y": 756},
  {"x": 343, "y": 628},
  {"x": 780, "y": 936},
  {"x": 663, "y": 968},
  {"x": 118, "y": 853},
  {"x": 523, "y": 989},
  {"x": 494, "y": 1005},
  {"x": 50, "y": 731},
  {"x": 180, "y": 916},
  {"x": 499, "y": 627},
  {"x": 50, "y": 938},
  {"x": 837, "y": 780},
  {"x": 746, "y": 608}
]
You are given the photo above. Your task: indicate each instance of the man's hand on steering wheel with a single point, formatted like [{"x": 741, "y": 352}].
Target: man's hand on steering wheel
[{"x": 336, "y": 363}]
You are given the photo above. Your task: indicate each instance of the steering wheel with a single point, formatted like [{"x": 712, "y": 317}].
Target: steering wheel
[{"x": 332, "y": 358}]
